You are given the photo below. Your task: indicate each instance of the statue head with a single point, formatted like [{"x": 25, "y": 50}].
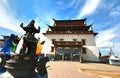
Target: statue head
[
  {"x": 32, "y": 21},
  {"x": 31, "y": 24}
]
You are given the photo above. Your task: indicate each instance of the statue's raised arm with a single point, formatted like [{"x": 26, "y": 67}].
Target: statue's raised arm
[{"x": 30, "y": 27}]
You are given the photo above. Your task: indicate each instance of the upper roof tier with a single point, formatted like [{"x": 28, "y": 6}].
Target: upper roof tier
[
  {"x": 72, "y": 28},
  {"x": 77, "y": 22},
  {"x": 77, "y": 26}
]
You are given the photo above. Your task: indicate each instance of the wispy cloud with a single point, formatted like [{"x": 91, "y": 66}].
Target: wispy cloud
[
  {"x": 109, "y": 39},
  {"x": 7, "y": 19},
  {"x": 74, "y": 3},
  {"x": 43, "y": 21},
  {"x": 71, "y": 4},
  {"x": 89, "y": 7},
  {"x": 44, "y": 17},
  {"x": 104, "y": 37},
  {"x": 115, "y": 12},
  {"x": 108, "y": 35}
]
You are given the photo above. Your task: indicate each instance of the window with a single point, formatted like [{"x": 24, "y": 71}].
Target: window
[
  {"x": 67, "y": 50},
  {"x": 58, "y": 53},
  {"x": 83, "y": 50},
  {"x": 74, "y": 39},
  {"x": 53, "y": 40},
  {"x": 76, "y": 54},
  {"x": 59, "y": 50},
  {"x": 52, "y": 49},
  {"x": 83, "y": 42},
  {"x": 61, "y": 39}
]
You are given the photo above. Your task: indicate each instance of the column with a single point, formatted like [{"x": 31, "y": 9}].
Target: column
[{"x": 62, "y": 53}]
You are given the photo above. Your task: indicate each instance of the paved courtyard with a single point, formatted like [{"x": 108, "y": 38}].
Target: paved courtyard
[{"x": 68, "y": 69}]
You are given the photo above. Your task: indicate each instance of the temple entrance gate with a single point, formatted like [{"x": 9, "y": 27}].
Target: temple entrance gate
[{"x": 67, "y": 53}]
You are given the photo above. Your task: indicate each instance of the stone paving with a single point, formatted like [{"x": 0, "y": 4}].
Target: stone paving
[{"x": 68, "y": 69}]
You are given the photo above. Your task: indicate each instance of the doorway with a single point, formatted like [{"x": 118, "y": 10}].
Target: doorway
[{"x": 67, "y": 53}]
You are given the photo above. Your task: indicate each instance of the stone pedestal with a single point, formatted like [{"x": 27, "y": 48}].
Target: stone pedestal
[{"x": 22, "y": 66}]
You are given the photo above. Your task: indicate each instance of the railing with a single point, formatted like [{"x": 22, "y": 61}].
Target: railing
[
  {"x": 70, "y": 32},
  {"x": 67, "y": 43}
]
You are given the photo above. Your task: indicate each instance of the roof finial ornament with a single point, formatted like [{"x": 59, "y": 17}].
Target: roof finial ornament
[
  {"x": 53, "y": 19},
  {"x": 69, "y": 18}
]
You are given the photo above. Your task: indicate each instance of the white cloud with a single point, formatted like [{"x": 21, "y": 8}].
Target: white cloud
[
  {"x": 89, "y": 7},
  {"x": 108, "y": 35},
  {"x": 115, "y": 12},
  {"x": 74, "y": 3},
  {"x": 3, "y": 2},
  {"x": 7, "y": 19},
  {"x": 116, "y": 48},
  {"x": 43, "y": 17},
  {"x": 43, "y": 21},
  {"x": 105, "y": 36},
  {"x": 71, "y": 4},
  {"x": 60, "y": 3},
  {"x": 109, "y": 39}
]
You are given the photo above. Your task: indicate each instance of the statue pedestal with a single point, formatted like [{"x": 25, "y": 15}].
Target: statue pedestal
[{"x": 22, "y": 66}]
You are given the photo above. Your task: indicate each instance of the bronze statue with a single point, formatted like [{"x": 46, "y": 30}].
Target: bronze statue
[
  {"x": 29, "y": 40},
  {"x": 23, "y": 63}
]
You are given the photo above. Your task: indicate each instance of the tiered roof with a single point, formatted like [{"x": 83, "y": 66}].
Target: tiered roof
[
  {"x": 79, "y": 22},
  {"x": 72, "y": 28},
  {"x": 77, "y": 26}
]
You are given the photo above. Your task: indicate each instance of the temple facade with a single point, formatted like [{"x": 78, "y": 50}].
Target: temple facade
[{"x": 72, "y": 40}]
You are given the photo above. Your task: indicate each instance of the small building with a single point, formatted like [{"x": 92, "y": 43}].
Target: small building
[
  {"x": 110, "y": 58},
  {"x": 72, "y": 40}
]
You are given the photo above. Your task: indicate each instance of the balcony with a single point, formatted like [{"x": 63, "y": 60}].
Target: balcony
[{"x": 67, "y": 43}]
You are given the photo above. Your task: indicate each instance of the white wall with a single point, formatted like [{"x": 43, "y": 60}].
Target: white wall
[
  {"x": 92, "y": 54},
  {"x": 46, "y": 47}
]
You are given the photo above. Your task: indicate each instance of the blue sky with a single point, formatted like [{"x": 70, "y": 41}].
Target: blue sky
[{"x": 103, "y": 14}]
